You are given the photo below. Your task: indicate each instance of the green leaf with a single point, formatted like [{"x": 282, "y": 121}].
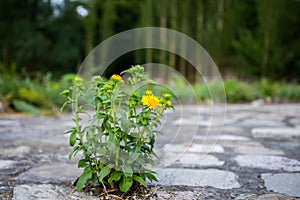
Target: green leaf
[
  {"x": 81, "y": 163},
  {"x": 83, "y": 179},
  {"x": 75, "y": 150},
  {"x": 125, "y": 183},
  {"x": 91, "y": 134},
  {"x": 65, "y": 104},
  {"x": 140, "y": 180},
  {"x": 151, "y": 177},
  {"x": 145, "y": 148},
  {"x": 68, "y": 131},
  {"x": 124, "y": 121},
  {"x": 94, "y": 179},
  {"x": 112, "y": 143},
  {"x": 127, "y": 170},
  {"x": 104, "y": 172},
  {"x": 73, "y": 138},
  {"x": 150, "y": 161},
  {"x": 101, "y": 151},
  {"x": 115, "y": 176},
  {"x": 132, "y": 157}
]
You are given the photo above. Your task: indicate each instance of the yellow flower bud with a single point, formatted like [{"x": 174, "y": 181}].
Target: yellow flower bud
[
  {"x": 149, "y": 92},
  {"x": 78, "y": 81},
  {"x": 167, "y": 96},
  {"x": 116, "y": 77},
  {"x": 77, "y": 78},
  {"x": 169, "y": 103}
]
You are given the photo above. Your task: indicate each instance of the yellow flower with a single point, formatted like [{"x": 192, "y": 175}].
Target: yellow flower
[
  {"x": 149, "y": 92},
  {"x": 167, "y": 95},
  {"x": 116, "y": 77},
  {"x": 169, "y": 103},
  {"x": 78, "y": 81},
  {"x": 77, "y": 78},
  {"x": 151, "y": 101}
]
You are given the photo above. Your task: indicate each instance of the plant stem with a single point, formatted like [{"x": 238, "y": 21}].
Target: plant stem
[
  {"x": 77, "y": 114},
  {"x": 113, "y": 110}
]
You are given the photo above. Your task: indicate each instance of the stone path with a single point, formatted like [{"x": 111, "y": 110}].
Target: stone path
[{"x": 257, "y": 155}]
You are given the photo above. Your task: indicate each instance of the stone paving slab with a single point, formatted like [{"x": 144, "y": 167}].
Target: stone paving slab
[
  {"x": 265, "y": 197},
  {"x": 191, "y": 177},
  {"x": 285, "y": 183},
  {"x": 261, "y": 123},
  {"x": 6, "y": 163},
  {"x": 222, "y": 137},
  {"x": 200, "y": 122},
  {"x": 7, "y": 122},
  {"x": 268, "y": 162},
  {"x": 53, "y": 172},
  {"x": 295, "y": 121},
  {"x": 189, "y": 159},
  {"x": 257, "y": 150},
  {"x": 20, "y": 150},
  {"x": 233, "y": 129},
  {"x": 47, "y": 192},
  {"x": 275, "y": 133},
  {"x": 194, "y": 148}
]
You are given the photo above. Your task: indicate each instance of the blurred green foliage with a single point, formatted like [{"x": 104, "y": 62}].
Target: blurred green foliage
[
  {"x": 252, "y": 38},
  {"x": 288, "y": 92},
  {"x": 238, "y": 91},
  {"x": 32, "y": 95}
]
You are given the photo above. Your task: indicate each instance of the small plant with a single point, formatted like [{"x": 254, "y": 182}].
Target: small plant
[{"x": 118, "y": 139}]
